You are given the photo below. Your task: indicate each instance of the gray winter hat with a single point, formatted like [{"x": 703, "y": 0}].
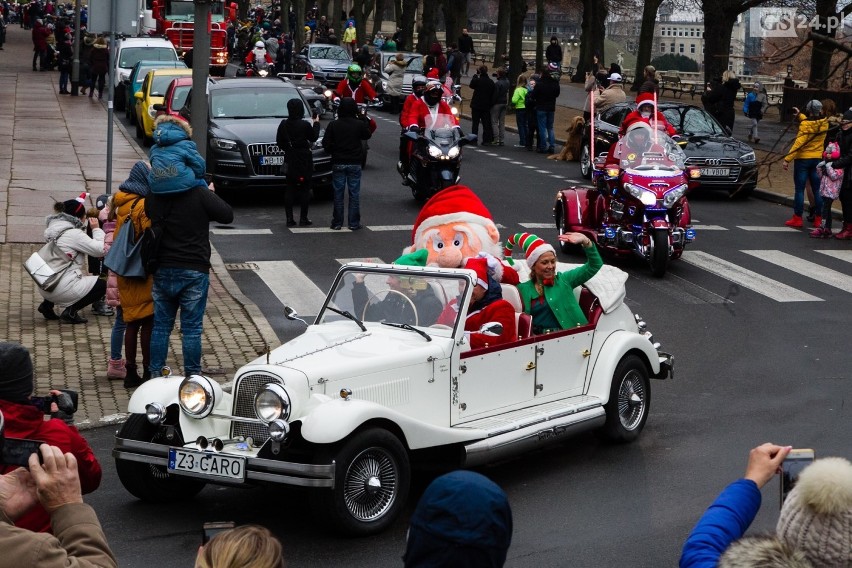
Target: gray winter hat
[
  {"x": 813, "y": 107},
  {"x": 16, "y": 372},
  {"x": 137, "y": 181}
]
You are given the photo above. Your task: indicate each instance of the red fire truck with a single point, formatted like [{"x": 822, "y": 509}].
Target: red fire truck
[{"x": 175, "y": 21}]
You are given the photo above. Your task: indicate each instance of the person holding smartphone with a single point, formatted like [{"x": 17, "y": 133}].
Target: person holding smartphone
[{"x": 296, "y": 137}]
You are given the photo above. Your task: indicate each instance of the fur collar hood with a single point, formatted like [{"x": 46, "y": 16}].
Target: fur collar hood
[
  {"x": 751, "y": 551},
  {"x": 170, "y": 129},
  {"x": 63, "y": 218}
]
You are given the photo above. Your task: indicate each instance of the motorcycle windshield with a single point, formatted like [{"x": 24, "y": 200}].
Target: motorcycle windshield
[
  {"x": 640, "y": 149},
  {"x": 442, "y": 130}
]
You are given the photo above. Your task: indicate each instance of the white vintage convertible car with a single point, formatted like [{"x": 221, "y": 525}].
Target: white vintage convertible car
[{"x": 375, "y": 387}]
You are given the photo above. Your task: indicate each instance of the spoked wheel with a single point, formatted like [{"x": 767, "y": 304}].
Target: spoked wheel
[
  {"x": 389, "y": 291},
  {"x": 660, "y": 253},
  {"x": 629, "y": 400},
  {"x": 586, "y": 161},
  {"x": 147, "y": 481},
  {"x": 372, "y": 477}
]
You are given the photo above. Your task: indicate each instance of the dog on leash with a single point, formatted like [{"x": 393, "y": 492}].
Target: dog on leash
[{"x": 571, "y": 150}]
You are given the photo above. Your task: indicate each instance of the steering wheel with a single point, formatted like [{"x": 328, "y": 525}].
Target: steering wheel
[{"x": 390, "y": 291}]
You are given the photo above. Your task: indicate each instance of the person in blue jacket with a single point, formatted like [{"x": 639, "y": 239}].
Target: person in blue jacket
[
  {"x": 176, "y": 165},
  {"x": 730, "y": 515}
]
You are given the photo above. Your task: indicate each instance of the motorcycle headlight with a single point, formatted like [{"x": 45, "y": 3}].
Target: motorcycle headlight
[
  {"x": 748, "y": 158},
  {"x": 327, "y": 93},
  {"x": 454, "y": 151},
  {"x": 435, "y": 152},
  {"x": 263, "y": 72},
  {"x": 634, "y": 190},
  {"x": 454, "y": 110},
  {"x": 272, "y": 403},
  {"x": 195, "y": 396},
  {"x": 671, "y": 197},
  {"x": 224, "y": 144},
  {"x": 648, "y": 198}
]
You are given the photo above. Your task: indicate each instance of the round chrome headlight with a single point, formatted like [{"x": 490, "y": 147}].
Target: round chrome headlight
[
  {"x": 196, "y": 396},
  {"x": 278, "y": 430},
  {"x": 272, "y": 403},
  {"x": 155, "y": 412}
]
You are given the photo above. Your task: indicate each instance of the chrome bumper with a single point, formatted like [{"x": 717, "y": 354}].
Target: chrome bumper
[
  {"x": 257, "y": 469},
  {"x": 666, "y": 366}
]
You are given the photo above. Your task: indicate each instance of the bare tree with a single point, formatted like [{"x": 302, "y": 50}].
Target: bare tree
[
  {"x": 646, "y": 40},
  {"x": 719, "y": 19},
  {"x": 362, "y": 10},
  {"x": 455, "y": 18},
  {"x": 502, "y": 31},
  {"x": 593, "y": 32},
  {"x": 539, "y": 34},
  {"x": 409, "y": 10},
  {"x": 517, "y": 15},
  {"x": 378, "y": 17},
  {"x": 426, "y": 34}
]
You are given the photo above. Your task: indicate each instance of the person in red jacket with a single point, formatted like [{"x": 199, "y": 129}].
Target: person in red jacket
[
  {"x": 25, "y": 420},
  {"x": 408, "y": 118},
  {"x": 259, "y": 57},
  {"x": 486, "y": 306},
  {"x": 355, "y": 86},
  {"x": 644, "y": 112},
  {"x": 39, "y": 35},
  {"x": 433, "y": 112}
]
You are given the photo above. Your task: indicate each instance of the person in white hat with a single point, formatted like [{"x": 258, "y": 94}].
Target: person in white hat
[{"x": 614, "y": 93}]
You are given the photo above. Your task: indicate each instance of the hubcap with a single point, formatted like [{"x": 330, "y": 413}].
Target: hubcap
[
  {"x": 631, "y": 400},
  {"x": 370, "y": 485}
]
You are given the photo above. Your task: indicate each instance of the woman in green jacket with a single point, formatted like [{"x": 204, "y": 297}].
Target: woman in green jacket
[
  {"x": 519, "y": 97},
  {"x": 548, "y": 295}
]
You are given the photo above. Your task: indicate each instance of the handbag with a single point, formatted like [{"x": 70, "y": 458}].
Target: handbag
[
  {"x": 125, "y": 256},
  {"x": 47, "y": 265}
]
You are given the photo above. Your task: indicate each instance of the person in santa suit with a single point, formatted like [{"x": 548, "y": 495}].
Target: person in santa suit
[
  {"x": 408, "y": 118},
  {"x": 259, "y": 56},
  {"x": 433, "y": 112},
  {"x": 486, "y": 306},
  {"x": 354, "y": 85},
  {"x": 645, "y": 110}
]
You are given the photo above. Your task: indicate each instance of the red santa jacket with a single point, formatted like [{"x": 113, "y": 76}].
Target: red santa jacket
[
  {"x": 250, "y": 58},
  {"x": 422, "y": 117},
  {"x": 634, "y": 116},
  {"x": 27, "y": 421},
  {"x": 408, "y": 117},
  {"x": 499, "y": 311},
  {"x": 362, "y": 92}
]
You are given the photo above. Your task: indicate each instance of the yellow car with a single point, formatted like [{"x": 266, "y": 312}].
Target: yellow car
[{"x": 152, "y": 92}]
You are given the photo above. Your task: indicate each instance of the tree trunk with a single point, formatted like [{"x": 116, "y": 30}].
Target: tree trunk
[
  {"x": 539, "y": 34},
  {"x": 378, "y": 17},
  {"x": 299, "y": 32},
  {"x": 397, "y": 12},
  {"x": 285, "y": 16},
  {"x": 646, "y": 41},
  {"x": 718, "y": 26},
  {"x": 822, "y": 52},
  {"x": 455, "y": 18},
  {"x": 362, "y": 10},
  {"x": 516, "y": 31},
  {"x": 323, "y": 10},
  {"x": 502, "y": 32},
  {"x": 426, "y": 34},
  {"x": 593, "y": 32},
  {"x": 409, "y": 12},
  {"x": 337, "y": 23}
]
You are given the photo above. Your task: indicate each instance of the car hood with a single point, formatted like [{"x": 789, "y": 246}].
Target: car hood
[
  {"x": 247, "y": 130},
  {"x": 717, "y": 146},
  {"x": 331, "y": 64},
  {"x": 340, "y": 349}
]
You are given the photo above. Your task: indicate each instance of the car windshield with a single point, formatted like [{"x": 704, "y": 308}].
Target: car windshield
[
  {"x": 160, "y": 84},
  {"x": 179, "y": 96},
  {"x": 185, "y": 9},
  {"x": 641, "y": 149},
  {"x": 692, "y": 121},
  {"x": 415, "y": 65},
  {"x": 258, "y": 102},
  {"x": 329, "y": 52},
  {"x": 397, "y": 297},
  {"x": 130, "y": 56}
]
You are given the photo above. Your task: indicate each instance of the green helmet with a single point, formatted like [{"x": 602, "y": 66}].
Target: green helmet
[{"x": 354, "y": 73}]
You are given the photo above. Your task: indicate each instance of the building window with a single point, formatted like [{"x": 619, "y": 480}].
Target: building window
[
  {"x": 691, "y": 48},
  {"x": 672, "y": 47},
  {"x": 681, "y": 48},
  {"x": 662, "y": 47}
]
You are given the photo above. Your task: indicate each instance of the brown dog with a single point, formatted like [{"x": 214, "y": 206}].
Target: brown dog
[{"x": 571, "y": 150}]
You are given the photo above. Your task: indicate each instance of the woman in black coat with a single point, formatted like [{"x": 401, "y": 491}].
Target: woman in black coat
[
  {"x": 844, "y": 140},
  {"x": 296, "y": 137}
]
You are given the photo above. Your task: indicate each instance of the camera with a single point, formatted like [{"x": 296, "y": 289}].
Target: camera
[
  {"x": 211, "y": 529},
  {"x": 17, "y": 451},
  {"x": 794, "y": 463},
  {"x": 66, "y": 401}
]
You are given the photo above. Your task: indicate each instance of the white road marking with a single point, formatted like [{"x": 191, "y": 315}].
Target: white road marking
[
  {"x": 772, "y": 229},
  {"x": 291, "y": 286},
  {"x": 542, "y": 171},
  {"x": 844, "y": 255},
  {"x": 573, "y": 181},
  {"x": 241, "y": 231},
  {"x": 531, "y": 167},
  {"x": 299, "y": 230},
  {"x": 505, "y": 158},
  {"x": 682, "y": 290},
  {"x": 390, "y": 227},
  {"x": 517, "y": 163},
  {"x": 746, "y": 278},
  {"x": 805, "y": 268},
  {"x": 709, "y": 228},
  {"x": 550, "y": 225},
  {"x": 557, "y": 176}
]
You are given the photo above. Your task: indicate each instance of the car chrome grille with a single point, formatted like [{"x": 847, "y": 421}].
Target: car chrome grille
[
  {"x": 256, "y": 151},
  {"x": 245, "y": 390}
]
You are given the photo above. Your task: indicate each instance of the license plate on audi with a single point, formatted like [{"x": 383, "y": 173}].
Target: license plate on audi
[
  {"x": 272, "y": 160},
  {"x": 717, "y": 172},
  {"x": 206, "y": 464}
]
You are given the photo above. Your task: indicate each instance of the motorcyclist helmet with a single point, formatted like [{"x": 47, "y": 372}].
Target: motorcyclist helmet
[
  {"x": 354, "y": 73},
  {"x": 433, "y": 93},
  {"x": 638, "y": 137},
  {"x": 553, "y": 70},
  {"x": 418, "y": 84}
]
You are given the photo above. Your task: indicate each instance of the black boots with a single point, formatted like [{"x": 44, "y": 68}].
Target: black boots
[
  {"x": 70, "y": 315},
  {"x": 132, "y": 379},
  {"x": 46, "y": 309}
]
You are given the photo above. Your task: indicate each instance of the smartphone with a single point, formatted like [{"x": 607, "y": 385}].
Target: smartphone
[
  {"x": 211, "y": 529},
  {"x": 17, "y": 451},
  {"x": 795, "y": 462}
]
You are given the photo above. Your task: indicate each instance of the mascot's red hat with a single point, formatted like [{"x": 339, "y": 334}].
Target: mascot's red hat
[
  {"x": 456, "y": 203},
  {"x": 645, "y": 98}
]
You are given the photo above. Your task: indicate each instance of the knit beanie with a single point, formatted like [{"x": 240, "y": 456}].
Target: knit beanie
[
  {"x": 16, "y": 372},
  {"x": 137, "y": 181},
  {"x": 816, "y": 518},
  {"x": 75, "y": 207},
  {"x": 533, "y": 246}
]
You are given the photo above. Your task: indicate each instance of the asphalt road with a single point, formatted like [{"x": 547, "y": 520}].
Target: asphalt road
[{"x": 761, "y": 355}]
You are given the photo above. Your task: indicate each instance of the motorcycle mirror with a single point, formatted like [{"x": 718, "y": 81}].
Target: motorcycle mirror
[
  {"x": 491, "y": 329},
  {"x": 292, "y": 315},
  {"x": 471, "y": 137}
]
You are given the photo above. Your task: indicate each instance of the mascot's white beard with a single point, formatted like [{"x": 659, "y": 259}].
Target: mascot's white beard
[{"x": 259, "y": 56}]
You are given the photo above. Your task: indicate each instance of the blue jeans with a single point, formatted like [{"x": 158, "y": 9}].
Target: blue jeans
[
  {"x": 343, "y": 176},
  {"x": 546, "y": 137},
  {"x": 521, "y": 120},
  {"x": 185, "y": 289},
  {"x": 116, "y": 339},
  {"x": 804, "y": 170}
]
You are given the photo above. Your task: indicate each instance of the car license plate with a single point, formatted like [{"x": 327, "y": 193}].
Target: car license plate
[
  {"x": 206, "y": 464},
  {"x": 272, "y": 160},
  {"x": 720, "y": 172}
]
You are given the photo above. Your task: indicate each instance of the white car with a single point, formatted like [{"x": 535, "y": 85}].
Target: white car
[
  {"x": 374, "y": 387},
  {"x": 129, "y": 51}
]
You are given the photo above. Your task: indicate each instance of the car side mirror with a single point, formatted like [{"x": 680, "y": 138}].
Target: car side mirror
[
  {"x": 138, "y": 95},
  {"x": 159, "y": 107},
  {"x": 185, "y": 113},
  {"x": 292, "y": 315},
  {"x": 492, "y": 329},
  {"x": 726, "y": 129}
]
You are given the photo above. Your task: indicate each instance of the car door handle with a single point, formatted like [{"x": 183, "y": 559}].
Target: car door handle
[
  {"x": 585, "y": 353},
  {"x": 530, "y": 366}
]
